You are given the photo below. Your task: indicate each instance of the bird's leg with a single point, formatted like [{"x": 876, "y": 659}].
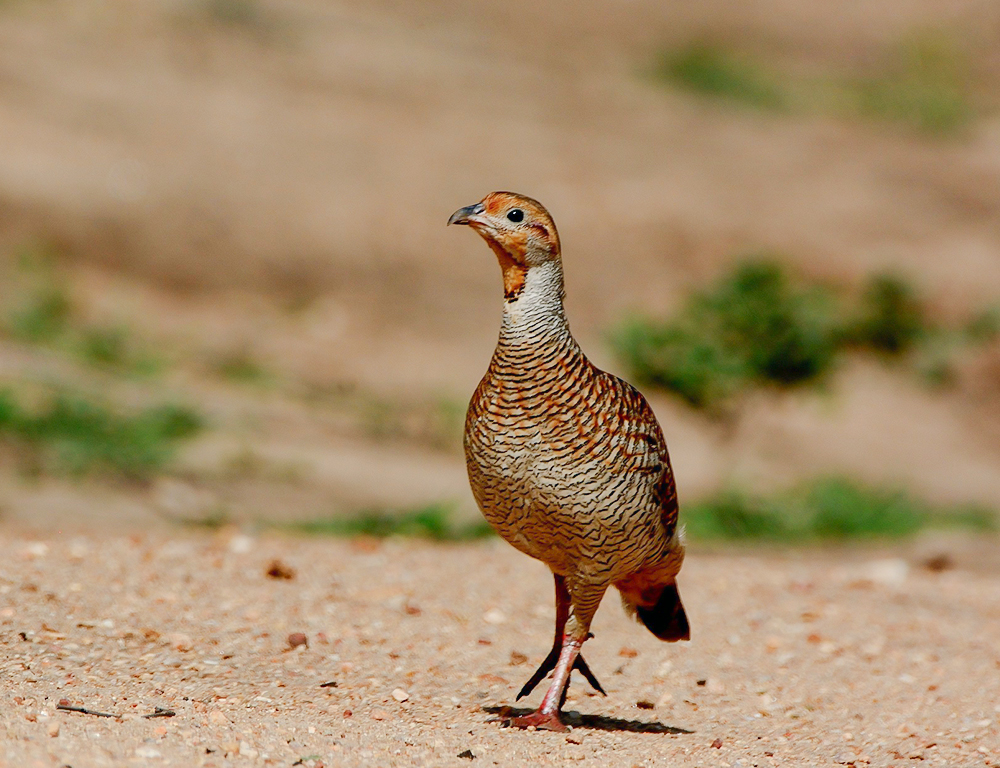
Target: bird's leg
[
  {"x": 562, "y": 613},
  {"x": 581, "y": 605}
]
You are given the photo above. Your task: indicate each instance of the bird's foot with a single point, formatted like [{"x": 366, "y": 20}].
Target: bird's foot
[
  {"x": 549, "y": 664},
  {"x": 539, "y": 720}
]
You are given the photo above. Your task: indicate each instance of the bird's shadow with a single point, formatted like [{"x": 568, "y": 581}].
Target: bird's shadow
[{"x": 591, "y": 722}]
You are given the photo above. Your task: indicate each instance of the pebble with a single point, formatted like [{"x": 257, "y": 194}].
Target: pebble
[
  {"x": 35, "y": 549},
  {"x": 52, "y": 729},
  {"x": 276, "y": 569},
  {"x": 890, "y": 572},
  {"x": 216, "y": 717},
  {"x": 296, "y": 639},
  {"x": 400, "y": 695},
  {"x": 494, "y": 616},
  {"x": 180, "y": 642},
  {"x": 240, "y": 544}
]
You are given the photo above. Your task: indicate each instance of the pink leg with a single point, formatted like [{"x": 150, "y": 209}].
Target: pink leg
[
  {"x": 562, "y": 614},
  {"x": 581, "y": 601},
  {"x": 547, "y": 717}
]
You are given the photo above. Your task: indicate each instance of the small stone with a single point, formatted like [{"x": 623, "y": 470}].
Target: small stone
[
  {"x": 890, "y": 572},
  {"x": 466, "y": 755},
  {"x": 379, "y": 714},
  {"x": 516, "y": 657},
  {"x": 240, "y": 544},
  {"x": 628, "y": 653},
  {"x": 52, "y": 729},
  {"x": 939, "y": 562},
  {"x": 279, "y": 570},
  {"x": 644, "y": 704},
  {"x": 400, "y": 695},
  {"x": 180, "y": 642},
  {"x": 494, "y": 616},
  {"x": 296, "y": 639},
  {"x": 246, "y": 750},
  {"x": 574, "y": 739},
  {"x": 217, "y": 717},
  {"x": 35, "y": 550},
  {"x": 717, "y": 744}
]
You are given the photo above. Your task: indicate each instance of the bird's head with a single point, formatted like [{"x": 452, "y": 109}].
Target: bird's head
[{"x": 519, "y": 231}]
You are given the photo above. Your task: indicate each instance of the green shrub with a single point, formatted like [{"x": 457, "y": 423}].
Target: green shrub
[
  {"x": 891, "y": 318},
  {"x": 756, "y": 326},
  {"x": 711, "y": 71},
  {"x": 829, "y": 509},
  {"x": 922, "y": 84},
  {"x": 753, "y": 326},
  {"x": 75, "y": 435},
  {"x": 42, "y": 316},
  {"x": 430, "y": 522}
]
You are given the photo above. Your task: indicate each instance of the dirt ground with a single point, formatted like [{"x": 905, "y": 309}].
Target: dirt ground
[{"x": 415, "y": 650}]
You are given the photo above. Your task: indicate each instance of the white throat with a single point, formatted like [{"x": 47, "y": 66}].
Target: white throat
[{"x": 537, "y": 312}]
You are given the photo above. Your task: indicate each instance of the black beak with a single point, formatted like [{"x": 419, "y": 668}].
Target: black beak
[{"x": 464, "y": 215}]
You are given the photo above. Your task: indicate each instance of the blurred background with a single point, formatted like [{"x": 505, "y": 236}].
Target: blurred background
[{"x": 228, "y": 296}]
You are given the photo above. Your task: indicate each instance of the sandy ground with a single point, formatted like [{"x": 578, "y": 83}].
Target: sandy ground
[{"x": 414, "y": 651}]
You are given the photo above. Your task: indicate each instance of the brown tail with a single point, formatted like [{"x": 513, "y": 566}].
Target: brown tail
[{"x": 666, "y": 619}]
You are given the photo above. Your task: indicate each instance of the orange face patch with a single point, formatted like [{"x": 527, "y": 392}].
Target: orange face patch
[{"x": 513, "y": 272}]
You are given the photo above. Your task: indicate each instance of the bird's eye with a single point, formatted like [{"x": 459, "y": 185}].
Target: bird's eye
[{"x": 515, "y": 214}]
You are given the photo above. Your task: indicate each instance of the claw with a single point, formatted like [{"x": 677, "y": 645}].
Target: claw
[{"x": 542, "y": 721}]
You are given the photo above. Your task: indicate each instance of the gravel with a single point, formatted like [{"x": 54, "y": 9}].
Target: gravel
[{"x": 413, "y": 650}]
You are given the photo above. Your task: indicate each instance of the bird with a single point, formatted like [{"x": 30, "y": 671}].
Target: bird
[{"x": 567, "y": 462}]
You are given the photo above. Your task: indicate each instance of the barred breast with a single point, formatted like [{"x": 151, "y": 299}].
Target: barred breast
[{"x": 568, "y": 463}]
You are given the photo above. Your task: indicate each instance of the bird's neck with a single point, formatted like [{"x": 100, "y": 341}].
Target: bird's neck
[{"x": 535, "y": 315}]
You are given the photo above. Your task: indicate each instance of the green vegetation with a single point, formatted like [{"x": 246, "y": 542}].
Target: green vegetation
[
  {"x": 712, "y": 71},
  {"x": 827, "y": 510},
  {"x": 758, "y": 326},
  {"x": 752, "y": 327},
  {"x": 921, "y": 82},
  {"x": 41, "y": 312},
  {"x": 75, "y": 435},
  {"x": 923, "y": 85},
  {"x": 891, "y": 319},
  {"x": 436, "y": 422},
  {"x": 43, "y": 316},
  {"x": 242, "y": 367},
  {"x": 430, "y": 522}
]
